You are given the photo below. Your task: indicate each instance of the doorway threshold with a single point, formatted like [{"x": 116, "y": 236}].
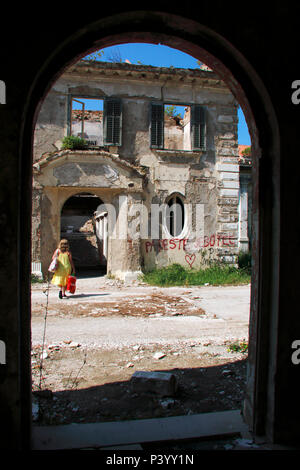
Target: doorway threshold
[{"x": 134, "y": 432}]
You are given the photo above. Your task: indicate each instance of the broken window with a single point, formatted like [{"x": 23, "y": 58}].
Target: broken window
[
  {"x": 97, "y": 121},
  {"x": 177, "y": 127}
]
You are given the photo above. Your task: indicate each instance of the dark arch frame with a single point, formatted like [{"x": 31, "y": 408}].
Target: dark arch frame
[{"x": 206, "y": 44}]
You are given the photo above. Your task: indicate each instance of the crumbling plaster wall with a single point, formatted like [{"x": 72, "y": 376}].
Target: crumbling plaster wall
[
  {"x": 51, "y": 124},
  {"x": 68, "y": 173}
]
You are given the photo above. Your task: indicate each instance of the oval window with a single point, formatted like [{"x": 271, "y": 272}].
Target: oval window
[{"x": 175, "y": 216}]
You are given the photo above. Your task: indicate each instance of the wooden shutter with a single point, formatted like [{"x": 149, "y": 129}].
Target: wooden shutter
[
  {"x": 198, "y": 128},
  {"x": 112, "y": 122},
  {"x": 157, "y": 125}
]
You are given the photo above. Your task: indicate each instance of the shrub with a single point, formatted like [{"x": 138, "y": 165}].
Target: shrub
[
  {"x": 247, "y": 152},
  {"x": 73, "y": 142},
  {"x": 239, "y": 347},
  {"x": 36, "y": 279}
]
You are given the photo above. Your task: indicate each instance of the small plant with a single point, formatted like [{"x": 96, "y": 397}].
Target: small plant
[
  {"x": 247, "y": 152},
  {"x": 238, "y": 346},
  {"x": 73, "y": 142},
  {"x": 36, "y": 279},
  {"x": 170, "y": 110},
  {"x": 94, "y": 56}
]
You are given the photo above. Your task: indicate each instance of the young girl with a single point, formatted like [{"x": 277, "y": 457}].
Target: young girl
[{"x": 65, "y": 267}]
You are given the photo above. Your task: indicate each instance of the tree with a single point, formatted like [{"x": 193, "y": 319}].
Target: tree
[
  {"x": 247, "y": 152},
  {"x": 170, "y": 110},
  {"x": 94, "y": 56}
]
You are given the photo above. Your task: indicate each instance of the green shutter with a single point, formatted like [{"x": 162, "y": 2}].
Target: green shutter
[
  {"x": 112, "y": 122},
  {"x": 198, "y": 128},
  {"x": 157, "y": 125}
]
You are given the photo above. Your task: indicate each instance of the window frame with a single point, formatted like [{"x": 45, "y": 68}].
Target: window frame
[
  {"x": 173, "y": 196},
  {"x": 202, "y": 131},
  {"x": 106, "y": 101}
]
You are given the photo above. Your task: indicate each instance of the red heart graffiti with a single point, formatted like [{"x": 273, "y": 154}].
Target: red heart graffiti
[{"x": 190, "y": 259}]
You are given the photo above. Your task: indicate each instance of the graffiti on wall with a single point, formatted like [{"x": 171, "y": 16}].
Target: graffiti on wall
[{"x": 188, "y": 245}]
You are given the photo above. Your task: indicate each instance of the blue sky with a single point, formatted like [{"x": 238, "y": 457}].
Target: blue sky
[{"x": 163, "y": 56}]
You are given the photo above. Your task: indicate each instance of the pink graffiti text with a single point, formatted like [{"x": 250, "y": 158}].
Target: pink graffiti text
[
  {"x": 166, "y": 244},
  {"x": 180, "y": 243}
]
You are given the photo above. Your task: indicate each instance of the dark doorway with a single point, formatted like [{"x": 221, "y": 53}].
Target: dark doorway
[{"x": 79, "y": 227}]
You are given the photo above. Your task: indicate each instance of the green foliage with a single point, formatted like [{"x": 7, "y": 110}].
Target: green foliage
[
  {"x": 94, "y": 56},
  {"x": 177, "y": 275},
  {"x": 247, "y": 152},
  {"x": 73, "y": 142},
  {"x": 35, "y": 279},
  {"x": 170, "y": 110},
  {"x": 238, "y": 346}
]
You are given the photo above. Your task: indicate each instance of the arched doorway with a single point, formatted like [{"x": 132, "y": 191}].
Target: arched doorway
[
  {"x": 172, "y": 31},
  {"x": 82, "y": 225}
]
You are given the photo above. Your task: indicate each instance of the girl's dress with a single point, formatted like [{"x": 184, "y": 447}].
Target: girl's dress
[{"x": 64, "y": 269}]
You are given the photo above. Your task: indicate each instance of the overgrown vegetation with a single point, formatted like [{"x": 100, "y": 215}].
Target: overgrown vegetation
[
  {"x": 72, "y": 142},
  {"x": 36, "y": 279},
  {"x": 247, "y": 152},
  {"x": 216, "y": 274},
  {"x": 238, "y": 346},
  {"x": 170, "y": 111}
]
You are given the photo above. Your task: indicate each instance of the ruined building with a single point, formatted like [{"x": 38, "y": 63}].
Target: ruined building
[{"x": 159, "y": 180}]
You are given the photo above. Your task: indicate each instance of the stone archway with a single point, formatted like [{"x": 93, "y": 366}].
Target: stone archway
[{"x": 173, "y": 31}]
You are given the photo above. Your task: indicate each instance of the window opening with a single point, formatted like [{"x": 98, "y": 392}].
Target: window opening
[
  {"x": 175, "y": 216},
  {"x": 177, "y": 127},
  {"x": 79, "y": 224},
  {"x": 87, "y": 120},
  {"x": 97, "y": 121}
]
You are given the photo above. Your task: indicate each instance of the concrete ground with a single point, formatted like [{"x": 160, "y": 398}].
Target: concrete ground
[
  {"x": 105, "y": 313},
  {"x": 97, "y": 338}
]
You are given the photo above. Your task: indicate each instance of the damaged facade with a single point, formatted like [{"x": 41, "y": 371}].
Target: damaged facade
[{"x": 161, "y": 180}]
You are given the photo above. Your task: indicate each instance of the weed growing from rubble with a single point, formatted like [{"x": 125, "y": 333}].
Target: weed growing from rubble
[
  {"x": 36, "y": 279},
  {"x": 177, "y": 275},
  {"x": 239, "y": 347}
]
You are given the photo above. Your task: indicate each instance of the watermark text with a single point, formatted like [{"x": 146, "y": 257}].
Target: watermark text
[
  {"x": 2, "y": 352},
  {"x": 296, "y": 354},
  {"x": 2, "y": 92},
  {"x": 136, "y": 221},
  {"x": 296, "y": 94}
]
